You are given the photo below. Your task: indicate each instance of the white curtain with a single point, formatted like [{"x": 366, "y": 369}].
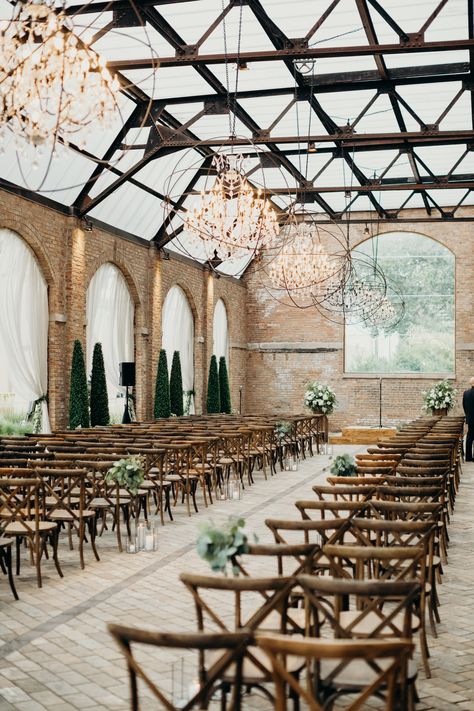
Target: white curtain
[
  {"x": 220, "y": 332},
  {"x": 23, "y": 326},
  {"x": 178, "y": 335},
  {"x": 110, "y": 315}
]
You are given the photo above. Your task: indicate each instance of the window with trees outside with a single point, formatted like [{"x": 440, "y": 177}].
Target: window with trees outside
[{"x": 423, "y": 341}]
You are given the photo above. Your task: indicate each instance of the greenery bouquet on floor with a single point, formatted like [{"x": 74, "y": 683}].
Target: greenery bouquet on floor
[
  {"x": 344, "y": 465},
  {"x": 440, "y": 398},
  {"x": 320, "y": 398},
  {"x": 221, "y": 545}
]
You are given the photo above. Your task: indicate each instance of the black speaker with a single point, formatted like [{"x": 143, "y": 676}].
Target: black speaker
[{"x": 127, "y": 374}]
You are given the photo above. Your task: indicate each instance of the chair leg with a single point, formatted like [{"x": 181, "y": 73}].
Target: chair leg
[
  {"x": 55, "y": 541},
  {"x": 7, "y": 561}
]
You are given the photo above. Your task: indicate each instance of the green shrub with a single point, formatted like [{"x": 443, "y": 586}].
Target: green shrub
[
  {"x": 78, "y": 394},
  {"x": 99, "y": 398},
  {"x": 162, "y": 389},
  {"x": 176, "y": 386},
  {"x": 224, "y": 387},
  {"x": 213, "y": 403},
  {"x": 12, "y": 424}
]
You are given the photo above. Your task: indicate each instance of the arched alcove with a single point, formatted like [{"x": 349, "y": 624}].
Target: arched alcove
[
  {"x": 423, "y": 341},
  {"x": 24, "y": 320},
  {"x": 220, "y": 331},
  {"x": 178, "y": 335},
  {"x": 110, "y": 321}
]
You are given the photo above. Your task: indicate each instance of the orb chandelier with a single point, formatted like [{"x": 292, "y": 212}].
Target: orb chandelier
[
  {"x": 309, "y": 260},
  {"x": 232, "y": 213},
  {"x": 52, "y": 85}
]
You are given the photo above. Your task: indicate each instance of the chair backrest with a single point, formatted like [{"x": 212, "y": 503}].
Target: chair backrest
[
  {"x": 399, "y": 563},
  {"x": 241, "y": 594},
  {"x": 377, "y": 608},
  {"x": 311, "y": 509},
  {"x": 384, "y": 663},
  {"x": 20, "y": 503},
  {"x": 229, "y": 663}
]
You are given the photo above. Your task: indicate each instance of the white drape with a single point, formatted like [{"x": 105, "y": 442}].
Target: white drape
[
  {"x": 178, "y": 335},
  {"x": 220, "y": 332},
  {"x": 110, "y": 315},
  {"x": 23, "y": 325}
]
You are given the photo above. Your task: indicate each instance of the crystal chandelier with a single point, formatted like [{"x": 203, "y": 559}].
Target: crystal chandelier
[
  {"x": 52, "y": 85},
  {"x": 232, "y": 214},
  {"x": 304, "y": 265}
]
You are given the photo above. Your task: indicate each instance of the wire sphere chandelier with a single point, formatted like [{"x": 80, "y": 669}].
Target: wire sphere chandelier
[
  {"x": 309, "y": 261},
  {"x": 52, "y": 85}
]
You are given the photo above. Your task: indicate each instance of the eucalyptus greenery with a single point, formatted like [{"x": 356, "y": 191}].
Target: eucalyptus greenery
[
  {"x": 344, "y": 465},
  {"x": 283, "y": 428},
  {"x": 220, "y": 544},
  {"x": 128, "y": 472}
]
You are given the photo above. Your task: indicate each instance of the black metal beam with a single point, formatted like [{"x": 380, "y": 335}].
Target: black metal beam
[{"x": 317, "y": 52}]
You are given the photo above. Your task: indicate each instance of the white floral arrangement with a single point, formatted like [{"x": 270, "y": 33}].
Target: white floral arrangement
[
  {"x": 320, "y": 398},
  {"x": 441, "y": 396}
]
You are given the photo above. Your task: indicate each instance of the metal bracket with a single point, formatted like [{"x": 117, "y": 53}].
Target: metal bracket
[
  {"x": 413, "y": 39},
  {"x": 430, "y": 128},
  {"x": 216, "y": 106},
  {"x": 186, "y": 50}
]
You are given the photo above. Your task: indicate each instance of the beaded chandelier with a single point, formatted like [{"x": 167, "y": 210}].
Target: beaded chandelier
[{"x": 52, "y": 85}]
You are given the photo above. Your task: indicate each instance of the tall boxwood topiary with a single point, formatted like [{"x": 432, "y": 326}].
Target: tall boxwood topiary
[
  {"x": 224, "y": 386},
  {"x": 78, "y": 395},
  {"x": 162, "y": 388},
  {"x": 99, "y": 398},
  {"x": 176, "y": 386},
  {"x": 213, "y": 393}
]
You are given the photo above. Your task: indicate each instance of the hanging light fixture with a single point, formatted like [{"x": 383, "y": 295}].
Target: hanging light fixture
[{"x": 52, "y": 85}]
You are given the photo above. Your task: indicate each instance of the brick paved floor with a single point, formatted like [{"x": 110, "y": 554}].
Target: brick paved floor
[{"x": 56, "y": 654}]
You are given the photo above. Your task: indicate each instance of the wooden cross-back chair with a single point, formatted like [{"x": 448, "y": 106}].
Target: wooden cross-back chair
[
  {"x": 228, "y": 651},
  {"x": 251, "y": 603},
  {"x": 385, "y": 663},
  {"x": 357, "y": 609},
  {"x": 345, "y": 492},
  {"x": 21, "y": 513},
  {"x": 395, "y": 563}
]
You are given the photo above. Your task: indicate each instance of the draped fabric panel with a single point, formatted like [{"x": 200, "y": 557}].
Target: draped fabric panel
[
  {"x": 178, "y": 334},
  {"x": 110, "y": 317},
  {"x": 24, "y": 321},
  {"x": 220, "y": 331}
]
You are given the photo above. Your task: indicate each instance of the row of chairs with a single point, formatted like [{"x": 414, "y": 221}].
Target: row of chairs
[
  {"x": 55, "y": 483},
  {"x": 355, "y": 580}
]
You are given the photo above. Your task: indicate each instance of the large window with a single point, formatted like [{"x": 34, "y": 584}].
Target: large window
[{"x": 423, "y": 341}]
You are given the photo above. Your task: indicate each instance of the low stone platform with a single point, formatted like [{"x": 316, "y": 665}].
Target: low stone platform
[{"x": 361, "y": 435}]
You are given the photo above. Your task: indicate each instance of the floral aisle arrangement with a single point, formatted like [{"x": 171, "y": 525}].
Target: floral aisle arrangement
[
  {"x": 344, "y": 465},
  {"x": 320, "y": 398},
  {"x": 221, "y": 545},
  {"x": 283, "y": 428},
  {"x": 128, "y": 472},
  {"x": 440, "y": 398}
]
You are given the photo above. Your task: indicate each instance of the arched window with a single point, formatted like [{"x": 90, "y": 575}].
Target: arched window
[
  {"x": 178, "y": 335},
  {"x": 23, "y": 328},
  {"x": 424, "y": 340},
  {"x": 220, "y": 331},
  {"x": 110, "y": 315}
]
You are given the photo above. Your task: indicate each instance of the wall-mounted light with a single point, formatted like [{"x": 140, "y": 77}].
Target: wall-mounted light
[
  {"x": 366, "y": 230},
  {"x": 311, "y": 147},
  {"x": 243, "y": 67}
]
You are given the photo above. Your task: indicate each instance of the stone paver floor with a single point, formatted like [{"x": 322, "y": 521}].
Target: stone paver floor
[{"x": 56, "y": 654}]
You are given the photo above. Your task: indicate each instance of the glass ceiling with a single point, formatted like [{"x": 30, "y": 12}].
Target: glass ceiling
[{"x": 385, "y": 91}]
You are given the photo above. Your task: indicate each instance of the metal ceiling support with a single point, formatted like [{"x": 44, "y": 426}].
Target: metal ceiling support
[{"x": 318, "y": 52}]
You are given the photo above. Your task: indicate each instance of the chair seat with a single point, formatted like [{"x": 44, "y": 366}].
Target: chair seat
[
  {"x": 102, "y": 503},
  {"x": 250, "y": 671},
  {"x": 178, "y": 478},
  {"x": 357, "y": 674},
  {"x": 17, "y": 528},
  {"x": 5, "y": 542},
  {"x": 65, "y": 515},
  {"x": 371, "y": 621},
  {"x": 226, "y": 461}
]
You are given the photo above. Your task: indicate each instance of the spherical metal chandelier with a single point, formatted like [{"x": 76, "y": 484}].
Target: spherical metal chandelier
[{"x": 52, "y": 85}]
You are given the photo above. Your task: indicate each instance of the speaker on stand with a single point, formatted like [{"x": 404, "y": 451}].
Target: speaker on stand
[{"x": 127, "y": 380}]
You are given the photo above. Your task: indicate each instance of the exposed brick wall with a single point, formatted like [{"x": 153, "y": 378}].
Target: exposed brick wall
[
  {"x": 277, "y": 378},
  {"x": 69, "y": 257}
]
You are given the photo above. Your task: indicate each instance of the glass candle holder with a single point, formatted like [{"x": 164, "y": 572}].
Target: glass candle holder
[
  {"x": 140, "y": 537},
  {"x": 287, "y": 464},
  {"x": 294, "y": 464},
  {"x": 131, "y": 544},
  {"x": 234, "y": 489},
  {"x": 151, "y": 538}
]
